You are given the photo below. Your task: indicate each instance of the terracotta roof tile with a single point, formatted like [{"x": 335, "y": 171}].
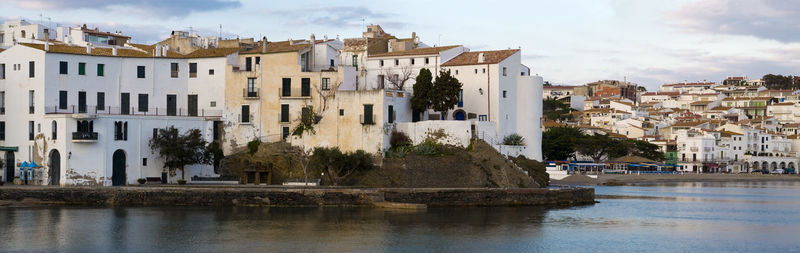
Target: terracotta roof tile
[
  {"x": 97, "y": 51},
  {"x": 278, "y": 47},
  {"x": 416, "y": 51},
  {"x": 471, "y": 58}
]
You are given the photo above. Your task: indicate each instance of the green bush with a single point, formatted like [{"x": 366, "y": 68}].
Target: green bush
[
  {"x": 399, "y": 139},
  {"x": 428, "y": 148},
  {"x": 252, "y": 146},
  {"x": 514, "y": 140}
]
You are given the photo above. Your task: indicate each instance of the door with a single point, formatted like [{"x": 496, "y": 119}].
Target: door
[
  {"x": 55, "y": 167},
  {"x": 460, "y": 115},
  {"x": 81, "y": 102},
  {"x": 125, "y": 104},
  {"x": 305, "y": 87},
  {"x": 10, "y": 162},
  {"x": 163, "y": 178},
  {"x": 192, "y": 105},
  {"x": 171, "y": 105},
  {"x": 118, "y": 168}
]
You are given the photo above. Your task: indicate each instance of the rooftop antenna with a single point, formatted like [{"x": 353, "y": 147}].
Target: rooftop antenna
[
  {"x": 220, "y": 31},
  {"x": 363, "y": 24}
]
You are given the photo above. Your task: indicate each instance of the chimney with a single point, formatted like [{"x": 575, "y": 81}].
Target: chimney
[
  {"x": 414, "y": 37},
  {"x": 114, "y": 51},
  {"x": 264, "y": 44},
  {"x": 164, "y": 50},
  {"x": 481, "y": 58},
  {"x": 89, "y": 48},
  {"x": 325, "y": 37},
  {"x": 291, "y": 42},
  {"x": 47, "y": 46},
  {"x": 157, "y": 52}
]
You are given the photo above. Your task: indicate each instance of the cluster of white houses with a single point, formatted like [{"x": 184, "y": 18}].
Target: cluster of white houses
[
  {"x": 83, "y": 104},
  {"x": 736, "y": 126}
]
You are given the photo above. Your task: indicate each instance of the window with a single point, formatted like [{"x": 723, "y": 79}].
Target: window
[
  {"x": 101, "y": 101},
  {"x": 248, "y": 64},
  {"x": 396, "y": 62},
  {"x": 144, "y": 161},
  {"x": 82, "y": 68},
  {"x": 504, "y": 71},
  {"x": 173, "y": 67},
  {"x": 427, "y": 60},
  {"x": 476, "y": 71},
  {"x": 193, "y": 69},
  {"x": 139, "y": 71},
  {"x": 62, "y": 100},
  {"x": 286, "y": 89},
  {"x": 245, "y": 114},
  {"x": 258, "y": 60},
  {"x": 53, "y": 126},
  {"x": 30, "y": 102},
  {"x": 31, "y": 69},
  {"x": 391, "y": 114},
  {"x": 143, "y": 103},
  {"x": 2, "y": 131},
  {"x": 483, "y": 117},
  {"x": 101, "y": 69},
  {"x": 63, "y": 67},
  {"x": 120, "y": 130},
  {"x": 412, "y": 61},
  {"x": 213, "y": 104},
  {"x": 367, "y": 118},
  {"x": 326, "y": 83},
  {"x": 332, "y": 63},
  {"x": 341, "y": 112},
  {"x": 381, "y": 63},
  {"x": 251, "y": 87},
  {"x": 505, "y": 93},
  {"x": 456, "y": 72},
  {"x": 284, "y": 113},
  {"x": 210, "y": 72},
  {"x": 30, "y": 130},
  {"x": 484, "y": 70},
  {"x": 461, "y": 98},
  {"x": 355, "y": 61},
  {"x": 285, "y": 131},
  {"x": 305, "y": 87},
  {"x": 2, "y": 70}
]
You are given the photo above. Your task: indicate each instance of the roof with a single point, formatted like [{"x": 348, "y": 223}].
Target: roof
[
  {"x": 622, "y": 102},
  {"x": 745, "y": 98},
  {"x": 97, "y": 51},
  {"x": 701, "y": 102},
  {"x": 416, "y": 51},
  {"x": 150, "y": 49},
  {"x": 633, "y": 159},
  {"x": 1, "y": 50},
  {"x": 559, "y": 87},
  {"x": 721, "y": 108},
  {"x": 471, "y": 58},
  {"x": 550, "y": 123},
  {"x": 95, "y": 31},
  {"x": 277, "y": 47},
  {"x": 689, "y": 123},
  {"x": 212, "y": 52},
  {"x": 662, "y": 93},
  {"x": 784, "y": 103}
]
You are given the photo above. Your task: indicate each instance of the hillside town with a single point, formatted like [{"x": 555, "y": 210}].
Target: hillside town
[
  {"x": 735, "y": 125},
  {"x": 82, "y": 106}
]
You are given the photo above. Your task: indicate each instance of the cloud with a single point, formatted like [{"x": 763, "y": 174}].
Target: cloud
[
  {"x": 160, "y": 8},
  {"x": 336, "y": 16},
  {"x": 765, "y": 19}
]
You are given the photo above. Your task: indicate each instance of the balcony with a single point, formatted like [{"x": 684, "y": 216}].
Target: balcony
[
  {"x": 288, "y": 95},
  {"x": 368, "y": 120},
  {"x": 84, "y": 137},
  {"x": 251, "y": 93},
  {"x": 92, "y": 111}
]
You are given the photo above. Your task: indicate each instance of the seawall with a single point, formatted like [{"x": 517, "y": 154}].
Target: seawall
[{"x": 289, "y": 197}]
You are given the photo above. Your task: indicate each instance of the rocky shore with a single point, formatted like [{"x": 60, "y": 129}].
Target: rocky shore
[{"x": 290, "y": 197}]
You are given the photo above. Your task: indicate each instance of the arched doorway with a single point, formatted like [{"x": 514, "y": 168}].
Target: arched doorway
[
  {"x": 55, "y": 167},
  {"x": 459, "y": 115},
  {"x": 773, "y": 166},
  {"x": 118, "y": 168},
  {"x": 10, "y": 162}
]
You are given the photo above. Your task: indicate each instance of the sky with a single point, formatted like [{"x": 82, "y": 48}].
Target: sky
[{"x": 571, "y": 42}]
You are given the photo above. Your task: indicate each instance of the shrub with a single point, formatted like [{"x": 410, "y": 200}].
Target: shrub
[
  {"x": 399, "y": 139},
  {"x": 252, "y": 146},
  {"x": 428, "y": 148},
  {"x": 181, "y": 182},
  {"x": 514, "y": 140},
  {"x": 141, "y": 180},
  {"x": 338, "y": 165},
  {"x": 399, "y": 152}
]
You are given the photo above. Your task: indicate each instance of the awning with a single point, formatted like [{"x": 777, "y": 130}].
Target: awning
[{"x": 12, "y": 149}]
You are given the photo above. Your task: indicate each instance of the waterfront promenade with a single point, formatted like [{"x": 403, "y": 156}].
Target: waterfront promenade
[{"x": 624, "y": 179}]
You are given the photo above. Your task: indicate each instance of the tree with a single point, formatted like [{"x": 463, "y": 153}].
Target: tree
[
  {"x": 558, "y": 143},
  {"x": 595, "y": 146},
  {"x": 547, "y": 83},
  {"x": 641, "y": 88},
  {"x": 554, "y": 109},
  {"x": 419, "y": 100},
  {"x": 179, "y": 150},
  {"x": 647, "y": 150},
  {"x": 778, "y": 81},
  {"x": 338, "y": 165},
  {"x": 300, "y": 156},
  {"x": 399, "y": 80},
  {"x": 446, "y": 91}
]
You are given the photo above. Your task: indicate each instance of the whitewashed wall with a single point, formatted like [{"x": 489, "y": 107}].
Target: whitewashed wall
[{"x": 457, "y": 133}]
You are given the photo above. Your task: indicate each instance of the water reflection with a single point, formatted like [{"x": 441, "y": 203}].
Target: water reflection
[{"x": 694, "y": 217}]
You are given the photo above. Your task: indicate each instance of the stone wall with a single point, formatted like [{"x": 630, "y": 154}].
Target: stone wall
[{"x": 287, "y": 197}]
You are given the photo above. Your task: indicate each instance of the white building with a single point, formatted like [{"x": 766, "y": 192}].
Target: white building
[{"x": 89, "y": 113}]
